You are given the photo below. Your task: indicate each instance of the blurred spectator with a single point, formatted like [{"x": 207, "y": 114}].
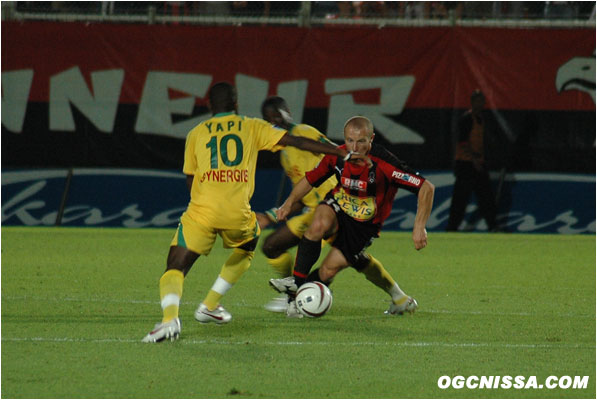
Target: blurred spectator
[
  {"x": 345, "y": 9},
  {"x": 443, "y": 9},
  {"x": 175, "y": 8},
  {"x": 584, "y": 9},
  {"x": 455, "y": 7},
  {"x": 534, "y": 9},
  {"x": 327, "y": 9},
  {"x": 248, "y": 8},
  {"x": 374, "y": 9},
  {"x": 281, "y": 8},
  {"x": 559, "y": 10},
  {"x": 477, "y": 9},
  {"x": 509, "y": 9},
  {"x": 392, "y": 9},
  {"x": 133, "y": 7},
  {"x": 80, "y": 7},
  {"x": 415, "y": 9},
  {"x": 211, "y": 7},
  {"x": 470, "y": 168}
]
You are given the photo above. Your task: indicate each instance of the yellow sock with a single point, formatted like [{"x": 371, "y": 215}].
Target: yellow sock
[
  {"x": 170, "y": 293},
  {"x": 232, "y": 270},
  {"x": 376, "y": 273},
  {"x": 282, "y": 264}
]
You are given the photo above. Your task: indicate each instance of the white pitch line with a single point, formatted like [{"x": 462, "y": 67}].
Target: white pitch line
[
  {"x": 156, "y": 302},
  {"x": 290, "y": 343}
]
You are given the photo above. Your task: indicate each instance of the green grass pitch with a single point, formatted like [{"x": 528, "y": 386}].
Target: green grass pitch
[{"x": 76, "y": 303}]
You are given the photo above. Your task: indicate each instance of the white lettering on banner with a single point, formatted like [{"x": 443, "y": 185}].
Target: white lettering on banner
[
  {"x": 394, "y": 93},
  {"x": 156, "y": 108},
  {"x": 16, "y": 86},
  {"x": 69, "y": 87},
  {"x": 24, "y": 202},
  {"x": 252, "y": 91},
  {"x": 21, "y": 204},
  {"x": 21, "y": 211}
]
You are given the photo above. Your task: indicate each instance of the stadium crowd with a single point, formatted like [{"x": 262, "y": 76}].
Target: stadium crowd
[{"x": 566, "y": 10}]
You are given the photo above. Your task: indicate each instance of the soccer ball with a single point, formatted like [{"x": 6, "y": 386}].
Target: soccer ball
[{"x": 313, "y": 299}]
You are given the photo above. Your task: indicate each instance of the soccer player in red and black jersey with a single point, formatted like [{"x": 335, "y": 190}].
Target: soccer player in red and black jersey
[{"x": 354, "y": 212}]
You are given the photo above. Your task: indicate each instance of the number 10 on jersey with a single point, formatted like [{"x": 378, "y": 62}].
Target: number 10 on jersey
[{"x": 212, "y": 145}]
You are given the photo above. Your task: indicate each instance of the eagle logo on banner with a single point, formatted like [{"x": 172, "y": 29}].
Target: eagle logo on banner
[{"x": 578, "y": 73}]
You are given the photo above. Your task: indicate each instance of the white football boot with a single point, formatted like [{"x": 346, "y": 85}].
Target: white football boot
[
  {"x": 292, "y": 311},
  {"x": 409, "y": 305},
  {"x": 166, "y": 330},
  {"x": 284, "y": 285},
  {"x": 219, "y": 315},
  {"x": 278, "y": 304}
]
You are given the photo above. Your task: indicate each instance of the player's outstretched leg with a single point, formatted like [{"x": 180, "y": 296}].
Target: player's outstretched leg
[
  {"x": 180, "y": 261},
  {"x": 377, "y": 274},
  {"x": 275, "y": 249},
  {"x": 210, "y": 309},
  {"x": 323, "y": 224}
]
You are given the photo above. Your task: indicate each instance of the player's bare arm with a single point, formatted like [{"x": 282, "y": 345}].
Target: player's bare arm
[
  {"x": 190, "y": 181},
  {"x": 424, "y": 205},
  {"x": 269, "y": 217},
  {"x": 298, "y": 192},
  {"x": 319, "y": 147}
]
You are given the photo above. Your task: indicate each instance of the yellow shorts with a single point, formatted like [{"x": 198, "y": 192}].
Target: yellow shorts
[
  {"x": 299, "y": 224},
  {"x": 200, "y": 239}
]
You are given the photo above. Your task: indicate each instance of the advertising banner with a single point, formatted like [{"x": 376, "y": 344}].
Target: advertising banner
[
  {"x": 91, "y": 95},
  {"x": 150, "y": 198}
]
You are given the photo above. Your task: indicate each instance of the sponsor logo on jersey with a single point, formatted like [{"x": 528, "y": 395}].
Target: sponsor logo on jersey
[
  {"x": 226, "y": 175},
  {"x": 359, "y": 208},
  {"x": 406, "y": 177},
  {"x": 354, "y": 183}
]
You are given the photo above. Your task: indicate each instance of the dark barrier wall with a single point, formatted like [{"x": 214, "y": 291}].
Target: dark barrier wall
[
  {"x": 152, "y": 198},
  {"x": 126, "y": 95}
]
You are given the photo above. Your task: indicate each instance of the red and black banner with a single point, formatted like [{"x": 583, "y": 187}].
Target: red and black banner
[{"x": 126, "y": 95}]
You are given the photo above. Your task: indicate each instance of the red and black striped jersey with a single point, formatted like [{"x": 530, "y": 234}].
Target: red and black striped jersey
[{"x": 366, "y": 194}]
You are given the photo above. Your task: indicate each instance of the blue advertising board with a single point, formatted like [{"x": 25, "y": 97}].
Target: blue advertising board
[{"x": 528, "y": 202}]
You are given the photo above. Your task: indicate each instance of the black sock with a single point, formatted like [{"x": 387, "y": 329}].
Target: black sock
[
  {"x": 314, "y": 277},
  {"x": 307, "y": 254}
]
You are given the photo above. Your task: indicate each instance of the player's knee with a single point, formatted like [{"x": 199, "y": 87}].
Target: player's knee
[
  {"x": 179, "y": 261},
  {"x": 249, "y": 246},
  {"x": 326, "y": 273},
  {"x": 317, "y": 230},
  {"x": 245, "y": 253},
  {"x": 362, "y": 262},
  {"x": 270, "y": 249}
]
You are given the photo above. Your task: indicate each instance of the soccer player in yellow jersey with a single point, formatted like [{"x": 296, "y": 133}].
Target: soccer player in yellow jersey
[
  {"x": 220, "y": 161},
  {"x": 296, "y": 163}
]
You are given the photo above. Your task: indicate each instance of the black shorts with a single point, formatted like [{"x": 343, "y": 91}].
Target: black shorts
[{"x": 353, "y": 237}]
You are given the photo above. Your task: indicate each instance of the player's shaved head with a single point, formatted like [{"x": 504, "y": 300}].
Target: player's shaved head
[
  {"x": 273, "y": 103},
  {"x": 222, "y": 97},
  {"x": 359, "y": 123},
  {"x": 275, "y": 111}
]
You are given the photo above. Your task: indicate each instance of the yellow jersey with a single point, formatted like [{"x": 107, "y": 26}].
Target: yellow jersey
[
  {"x": 296, "y": 162},
  {"x": 221, "y": 154}
]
